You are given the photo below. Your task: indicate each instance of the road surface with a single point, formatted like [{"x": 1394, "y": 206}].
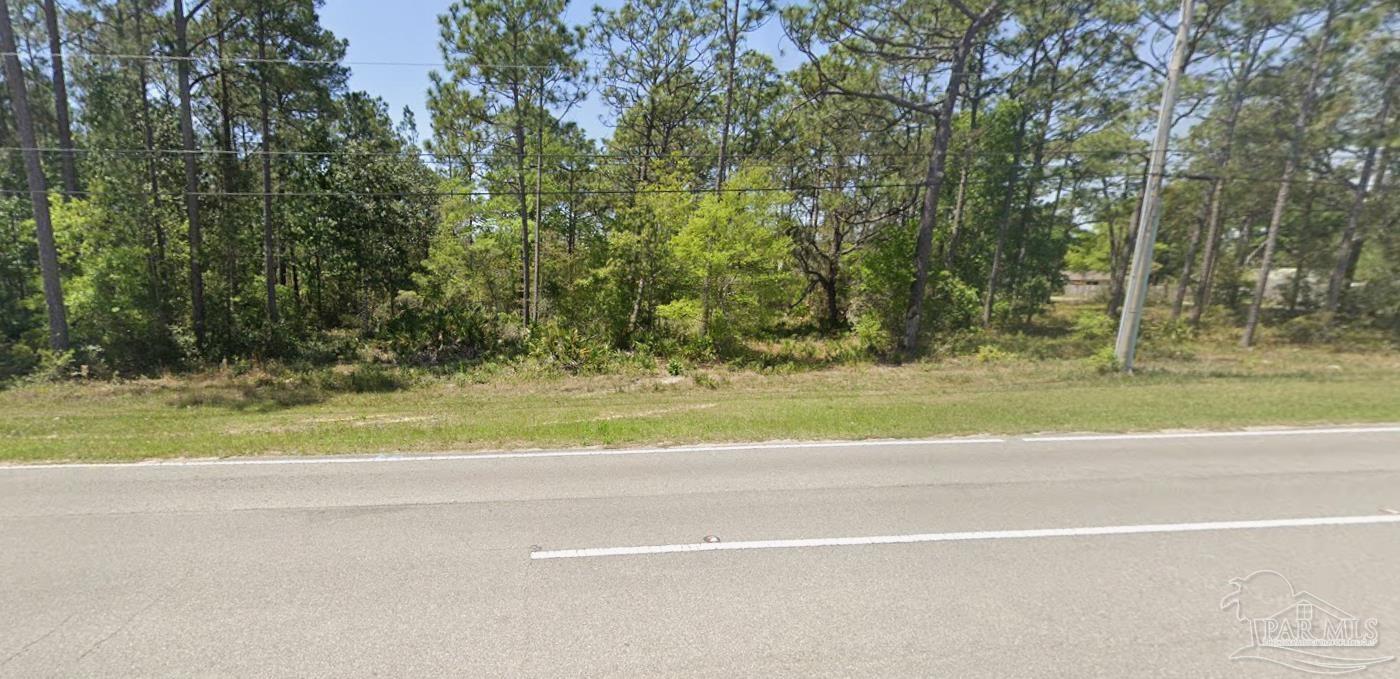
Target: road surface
[{"x": 1023, "y": 556}]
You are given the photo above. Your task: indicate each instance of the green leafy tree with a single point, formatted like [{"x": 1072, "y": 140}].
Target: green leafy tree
[{"x": 734, "y": 261}]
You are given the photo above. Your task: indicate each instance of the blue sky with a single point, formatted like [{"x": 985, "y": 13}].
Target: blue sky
[{"x": 406, "y": 31}]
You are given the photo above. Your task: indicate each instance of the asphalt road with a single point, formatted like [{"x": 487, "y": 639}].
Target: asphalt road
[{"x": 1017, "y": 557}]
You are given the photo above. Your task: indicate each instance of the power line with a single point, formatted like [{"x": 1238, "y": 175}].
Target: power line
[
  {"x": 553, "y": 192},
  {"x": 118, "y": 56},
  {"x": 490, "y": 193},
  {"x": 258, "y": 152},
  {"x": 487, "y": 193},
  {"x": 1191, "y": 176}
]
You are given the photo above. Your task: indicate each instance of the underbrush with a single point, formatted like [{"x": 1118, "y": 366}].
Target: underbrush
[
  {"x": 563, "y": 396},
  {"x": 273, "y": 387},
  {"x": 1080, "y": 336}
]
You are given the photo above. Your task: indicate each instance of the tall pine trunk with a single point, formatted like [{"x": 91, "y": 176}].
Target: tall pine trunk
[
  {"x": 1034, "y": 176},
  {"x": 1290, "y": 168},
  {"x": 989, "y": 291},
  {"x": 269, "y": 235},
  {"x": 187, "y": 147},
  {"x": 1355, "y": 255},
  {"x": 68, "y": 166},
  {"x": 1003, "y": 225},
  {"x": 933, "y": 182},
  {"x": 227, "y": 169},
  {"x": 38, "y": 187},
  {"x": 1189, "y": 260},
  {"x": 1336, "y": 284},
  {"x": 1211, "y": 256},
  {"x": 832, "y": 280},
  {"x": 158, "y": 266},
  {"x": 573, "y": 227},
  {"x": 950, "y": 249},
  {"x": 731, "y": 38}
]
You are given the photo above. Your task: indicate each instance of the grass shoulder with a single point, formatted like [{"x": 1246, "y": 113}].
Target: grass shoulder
[{"x": 992, "y": 383}]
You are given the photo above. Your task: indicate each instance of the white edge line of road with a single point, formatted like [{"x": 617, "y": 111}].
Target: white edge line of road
[
  {"x": 737, "y": 447},
  {"x": 1213, "y": 434},
  {"x": 962, "y": 536}
]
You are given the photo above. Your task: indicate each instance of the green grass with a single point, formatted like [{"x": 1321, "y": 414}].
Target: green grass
[{"x": 1198, "y": 386}]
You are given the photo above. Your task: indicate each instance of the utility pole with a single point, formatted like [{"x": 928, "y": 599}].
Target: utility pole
[
  {"x": 1136, "y": 295},
  {"x": 539, "y": 205}
]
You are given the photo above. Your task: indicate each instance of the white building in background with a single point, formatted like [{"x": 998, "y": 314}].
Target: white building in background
[{"x": 1094, "y": 285}]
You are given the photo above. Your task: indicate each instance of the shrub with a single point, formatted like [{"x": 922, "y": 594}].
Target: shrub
[
  {"x": 1310, "y": 329},
  {"x": 881, "y": 279},
  {"x": 372, "y": 378},
  {"x": 871, "y": 335},
  {"x": 81, "y": 363},
  {"x": 1169, "y": 339},
  {"x": 703, "y": 379},
  {"x": 1105, "y": 360},
  {"x": 1171, "y": 331},
  {"x": 569, "y": 350},
  {"x": 329, "y": 347},
  {"x": 681, "y": 319},
  {"x": 990, "y": 353},
  {"x": 1093, "y": 325},
  {"x": 1378, "y": 301},
  {"x": 54, "y": 365},
  {"x": 427, "y": 332},
  {"x": 16, "y": 360}
]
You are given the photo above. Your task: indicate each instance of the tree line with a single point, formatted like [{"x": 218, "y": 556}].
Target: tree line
[{"x": 187, "y": 182}]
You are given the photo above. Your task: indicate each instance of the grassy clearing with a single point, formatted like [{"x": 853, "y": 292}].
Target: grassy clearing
[{"x": 995, "y": 388}]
